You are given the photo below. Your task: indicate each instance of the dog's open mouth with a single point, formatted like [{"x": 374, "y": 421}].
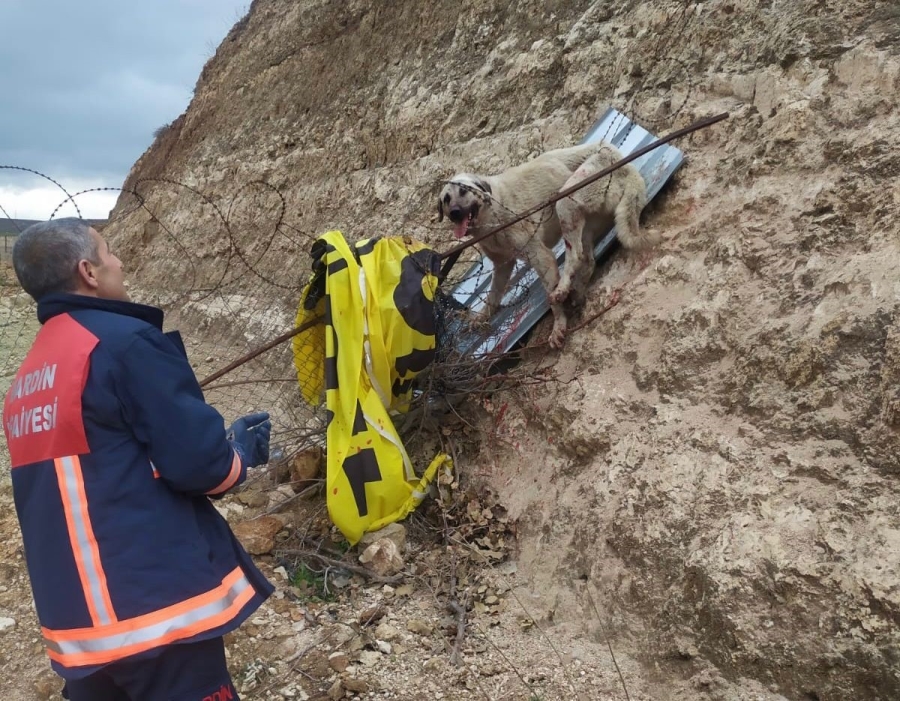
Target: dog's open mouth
[{"x": 464, "y": 228}]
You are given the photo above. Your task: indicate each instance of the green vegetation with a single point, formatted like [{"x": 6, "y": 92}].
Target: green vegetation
[{"x": 311, "y": 584}]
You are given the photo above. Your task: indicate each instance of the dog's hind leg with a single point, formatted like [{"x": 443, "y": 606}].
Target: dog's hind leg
[
  {"x": 586, "y": 267},
  {"x": 541, "y": 258},
  {"x": 572, "y": 226},
  {"x": 628, "y": 228}
]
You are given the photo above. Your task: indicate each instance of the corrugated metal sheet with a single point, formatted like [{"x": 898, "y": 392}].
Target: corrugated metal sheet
[{"x": 525, "y": 301}]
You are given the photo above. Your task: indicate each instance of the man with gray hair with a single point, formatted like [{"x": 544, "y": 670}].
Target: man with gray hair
[
  {"x": 61, "y": 256},
  {"x": 115, "y": 456}
]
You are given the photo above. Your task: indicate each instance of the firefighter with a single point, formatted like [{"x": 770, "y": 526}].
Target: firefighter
[{"x": 115, "y": 456}]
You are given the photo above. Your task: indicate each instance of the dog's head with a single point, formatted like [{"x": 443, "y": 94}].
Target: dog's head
[{"x": 462, "y": 200}]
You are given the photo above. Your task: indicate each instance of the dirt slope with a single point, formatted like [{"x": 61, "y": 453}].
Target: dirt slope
[{"x": 719, "y": 463}]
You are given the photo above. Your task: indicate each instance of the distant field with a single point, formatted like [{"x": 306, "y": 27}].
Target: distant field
[
  {"x": 6, "y": 244},
  {"x": 11, "y": 227}
]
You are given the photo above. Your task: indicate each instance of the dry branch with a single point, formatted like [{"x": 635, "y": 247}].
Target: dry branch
[{"x": 340, "y": 564}]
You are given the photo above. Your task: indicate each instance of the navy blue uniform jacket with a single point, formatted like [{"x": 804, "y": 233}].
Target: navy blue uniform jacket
[{"x": 115, "y": 455}]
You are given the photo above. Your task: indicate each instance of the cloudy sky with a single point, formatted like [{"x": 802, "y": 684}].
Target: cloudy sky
[{"x": 85, "y": 84}]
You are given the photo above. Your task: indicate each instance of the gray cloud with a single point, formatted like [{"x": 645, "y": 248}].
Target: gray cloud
[{"x": 85, "y": 84}]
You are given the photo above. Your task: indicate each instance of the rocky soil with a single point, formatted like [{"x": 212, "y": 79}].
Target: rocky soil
[{"x": 711, "y": 482}]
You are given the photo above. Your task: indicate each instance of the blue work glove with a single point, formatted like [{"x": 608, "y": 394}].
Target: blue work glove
[{"x": 250, "y": 437}]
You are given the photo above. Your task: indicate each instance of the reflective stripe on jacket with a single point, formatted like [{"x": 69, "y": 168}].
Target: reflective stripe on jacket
[{"x": 114, "y": 456}]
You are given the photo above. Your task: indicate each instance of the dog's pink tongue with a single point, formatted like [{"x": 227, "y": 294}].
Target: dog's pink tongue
[{"x": 459, "y": 230}]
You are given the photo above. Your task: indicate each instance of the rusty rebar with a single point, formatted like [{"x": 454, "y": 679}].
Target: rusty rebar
[
  {"x": 286, "y": 336},
  {"x": 454, "y": 252}
]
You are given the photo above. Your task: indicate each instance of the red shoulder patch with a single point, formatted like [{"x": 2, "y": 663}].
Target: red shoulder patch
[{"x": 42, "y": 413}]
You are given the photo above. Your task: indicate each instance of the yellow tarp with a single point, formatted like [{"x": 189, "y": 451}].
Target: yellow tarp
[{"x": 377, "y": 305}]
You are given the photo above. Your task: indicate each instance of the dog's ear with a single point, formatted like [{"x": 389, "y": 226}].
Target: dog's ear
[
  {"x": 484, "y": 185},
  {"x": 440, "y": 210}
]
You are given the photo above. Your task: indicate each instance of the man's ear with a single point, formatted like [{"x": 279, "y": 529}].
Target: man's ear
[{"x": 86, "y": 275}]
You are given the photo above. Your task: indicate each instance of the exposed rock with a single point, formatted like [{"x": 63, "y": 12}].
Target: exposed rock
[
  {"x": 258, "y": 535},
  {"x": 719, "y": 461},
  {"x": 419, "y": 627},
  {"x": 383, "y": 558},
  {"x": 47, "y": 686},
  {"x": 252, "y": 498},
  {"x": 336, "y": 691},
  {"x": 385, "y": 631},
  {"x": 371, "y": 615},
  {"x": 338, "y": 661},
  {"x": 370, "y": 658},
  {"x": 356, "y": 685},
  {"x": 306, "y": 466},
  {"x": 338, "y": 634},
  {"x": 393, "y": 531}
]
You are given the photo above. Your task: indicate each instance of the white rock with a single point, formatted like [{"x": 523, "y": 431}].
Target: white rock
[
  {"x": 385, "y": 631},
  {"x": 338, "y": 634},
  {"x": 369, "y": 658},
  {"x": 395, "y": 532},
  {"x": 383, "y": 557}
]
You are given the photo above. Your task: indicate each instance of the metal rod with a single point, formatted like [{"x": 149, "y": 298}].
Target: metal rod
[
  {"x": 262, "y": 349},
  {"x": 453, "y": 253}
]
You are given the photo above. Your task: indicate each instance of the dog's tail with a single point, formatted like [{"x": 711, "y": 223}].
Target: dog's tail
[{"x": 628, "y": 213}]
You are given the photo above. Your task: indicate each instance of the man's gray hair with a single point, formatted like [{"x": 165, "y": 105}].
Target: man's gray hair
[{"x": 46, "y": 255}]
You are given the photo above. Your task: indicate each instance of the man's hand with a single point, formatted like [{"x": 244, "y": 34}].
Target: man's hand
[{"x": 250, "y": 437}]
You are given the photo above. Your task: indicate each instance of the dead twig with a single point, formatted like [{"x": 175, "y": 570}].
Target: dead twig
[
  {"x": 608, "y": 643},
  {"x": 512, "y": 592},
  {"x": 460, "y": 610},
  {"x": 455, "y": 606},
  {"x": 507, "y": 660},
  {"x": 452, "y": 255},
  {"x": 293, "y": 661},
  {"x": 297, "y": 655},
  {"x": 320, "y": 547},
  {"x": 280, "y": 505},
  {"x": 614, "y": 299},
  {"x": 340, "y": 564}
]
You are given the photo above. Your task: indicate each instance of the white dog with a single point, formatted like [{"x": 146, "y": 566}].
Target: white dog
[{"x": 475, "y": 204}]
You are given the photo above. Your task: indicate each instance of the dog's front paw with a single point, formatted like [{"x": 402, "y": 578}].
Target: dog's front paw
[
  {"x": 558, "y": 335},
  {"x": 559, "y": 295}
]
